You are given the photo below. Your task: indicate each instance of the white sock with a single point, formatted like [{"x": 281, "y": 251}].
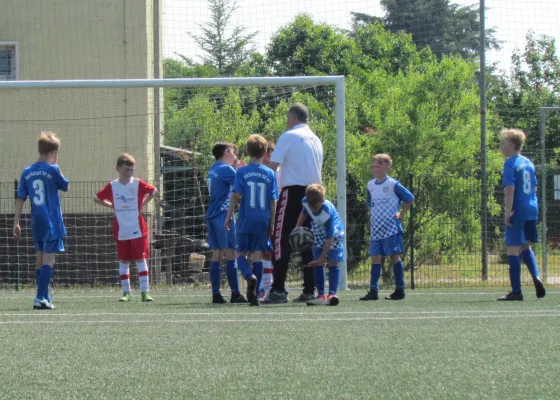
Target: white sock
[
  {"x": 267, "y": 276},
  {"x": 124, "y": 272},
  {"x": 143, "y": 275}
]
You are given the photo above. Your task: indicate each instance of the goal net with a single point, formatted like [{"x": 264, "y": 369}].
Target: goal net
[{"x": 169, "y": 126}]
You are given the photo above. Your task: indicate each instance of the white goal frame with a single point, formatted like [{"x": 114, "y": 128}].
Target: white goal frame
[{"x": 336, "y": 81}]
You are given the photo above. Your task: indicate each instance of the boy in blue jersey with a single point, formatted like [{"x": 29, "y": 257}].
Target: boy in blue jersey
[
  {"x": 41, "y": 181},
  {"x": 521, "y": 213},
  {"x": 384, "y": 197},
  {"x": 255, "y": 185},
  {"x": 221, "y": 178},
  {"x": 328, "y": 245}
]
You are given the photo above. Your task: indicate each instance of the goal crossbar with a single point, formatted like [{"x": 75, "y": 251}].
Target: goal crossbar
[
  {"x": 336, "y": 81},
  {"x": 176, "y": 82}
]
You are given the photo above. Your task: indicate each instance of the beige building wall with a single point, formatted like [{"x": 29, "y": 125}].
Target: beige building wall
[{"x": 79, "y": 39}]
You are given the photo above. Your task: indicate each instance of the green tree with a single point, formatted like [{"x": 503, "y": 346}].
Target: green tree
[
  {"x": 445, "y": 27},
  {"x": 534, "y": 82},
  {"x": 306, "y": 48},
  {"x": 427, "y": 120},
  {"x": 224, "y": 47},
  {"x": 401, "y": 100}
]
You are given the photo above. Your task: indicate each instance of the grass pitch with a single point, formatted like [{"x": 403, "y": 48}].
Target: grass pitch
[{"x": 432, "y": 345}]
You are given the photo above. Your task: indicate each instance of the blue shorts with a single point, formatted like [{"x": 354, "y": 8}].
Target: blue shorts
[
  {"x": 218, "y": 236},
  {"x": 247, "y": 242},
  {"x": 520, "y": 232},
  {"x": 49, "y": 246},
  {"x": 334, "y": 255},
  {"x": 390, "y": 246}
]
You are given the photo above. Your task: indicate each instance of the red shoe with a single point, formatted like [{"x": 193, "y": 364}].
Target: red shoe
[{"x": 333, "y": 300}]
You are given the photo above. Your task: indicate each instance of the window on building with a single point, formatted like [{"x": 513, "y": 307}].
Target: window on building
[{"x": 8, "y": 62}]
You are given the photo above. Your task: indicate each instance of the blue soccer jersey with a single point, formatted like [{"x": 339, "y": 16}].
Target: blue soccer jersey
[
  {"x": 325, "y": 224},
  {"x": 384, "y": 200},
  {"x": 220, "y": 183},
  {"x": 41, "y": 182},
  {"x": 519, "y": 172},
  {"x": 256, "y": 184}
]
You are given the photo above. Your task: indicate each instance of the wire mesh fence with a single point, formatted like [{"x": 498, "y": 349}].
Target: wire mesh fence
[
  {"x": 445, "y": 224},
  {"x": 413, "y": 83}
]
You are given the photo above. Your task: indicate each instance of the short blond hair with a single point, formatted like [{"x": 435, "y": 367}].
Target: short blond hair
[
  {"x": 126, "y": 159},
  {"x": 515, "y": 136},
  {"x": 315, "y": 194},
  {"x": 383, "y": 158},
  {"x": 48, "y": 142},
  {"x": 256, "y": 146}
]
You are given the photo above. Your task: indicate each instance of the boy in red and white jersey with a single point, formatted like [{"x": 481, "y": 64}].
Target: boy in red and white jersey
[
  {"x": 127, "y": 196},
  {"x": 266, "y": 282}
]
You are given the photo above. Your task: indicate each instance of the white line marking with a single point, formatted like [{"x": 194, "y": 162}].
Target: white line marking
[
  {"x": 171, "y": 321},
  {"x": 350, "y": 293},
  {"x": 46, "y": 313}
]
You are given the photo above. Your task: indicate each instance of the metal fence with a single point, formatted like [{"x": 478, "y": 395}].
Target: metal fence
[{"x": 442, "y": 236}]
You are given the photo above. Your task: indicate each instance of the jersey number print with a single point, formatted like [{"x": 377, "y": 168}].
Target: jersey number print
[
  {"x": 526, "y": 182},
  {"x": 262, "y": 192},
  {"x": 39, "y": 187}
]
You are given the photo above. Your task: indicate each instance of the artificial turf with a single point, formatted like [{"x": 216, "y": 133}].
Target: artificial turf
[{"x": 433, "y": 345}]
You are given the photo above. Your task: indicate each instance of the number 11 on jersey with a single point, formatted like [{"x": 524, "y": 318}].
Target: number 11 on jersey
[{"x": 262, "y": 191}]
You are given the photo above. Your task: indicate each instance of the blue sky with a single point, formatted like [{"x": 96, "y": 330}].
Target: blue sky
[{"x": 512, "y": 19}]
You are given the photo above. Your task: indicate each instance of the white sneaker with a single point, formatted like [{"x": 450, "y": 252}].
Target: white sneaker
[
  {"x": 43, "y": 305},
  {"x": 318, "y": 301}
]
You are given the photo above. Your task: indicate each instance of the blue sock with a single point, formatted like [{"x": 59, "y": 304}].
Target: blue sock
[
  {"x": 529, "y": 258},
  {"x": 375, "y": 275},
  {"x": 232, "y": 276},
  {"x": 244, "y": 266},
  {"x": 398, "y": 271},
  {"x": 37, "y": 274},
  {"x": 319, "y": 276},
  {"x": 44, "y": 282},
  {"x": 515, "y": 273},
  {"x": 215, "y": 276},
  {"x": 334, "y": 279},
  {"x": 258, "y": 272}
]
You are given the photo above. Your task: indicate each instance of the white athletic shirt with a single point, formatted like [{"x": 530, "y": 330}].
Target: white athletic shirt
[
  {"x": 300, "y": 153},
  {"x": 127, "y": 201}
]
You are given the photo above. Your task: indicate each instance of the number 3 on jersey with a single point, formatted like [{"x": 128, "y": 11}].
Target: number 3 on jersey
[
  {"x": 39, "y": 187},
  {"x": 526, "y": 182},
  {"x": 262, "y": 189}
]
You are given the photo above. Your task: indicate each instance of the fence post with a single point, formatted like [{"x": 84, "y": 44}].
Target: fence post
[
  {"x": 17, "y": 241},
  {"x": 483, "y": 171},
  {"x": 543, "y": 195},
  {"x": 411, "y": 231}
]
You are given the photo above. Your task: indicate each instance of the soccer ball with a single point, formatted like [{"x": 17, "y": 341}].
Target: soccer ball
[{"x": 301, "y": 239}]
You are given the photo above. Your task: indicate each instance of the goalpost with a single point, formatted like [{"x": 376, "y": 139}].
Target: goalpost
[{"x": 97, "y": 119}]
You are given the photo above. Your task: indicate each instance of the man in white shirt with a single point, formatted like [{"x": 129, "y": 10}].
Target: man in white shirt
[{"x": 298, "y": 159}]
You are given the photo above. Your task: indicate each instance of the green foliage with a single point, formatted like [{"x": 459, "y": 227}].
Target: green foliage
[
  {"x": 444, "y": 27},
  {"x": 226, "y": 49},
  {"x": 304, "y": 48},
  {"x": 419, "y": 105},
  {"x": 427, "y": 120},
  {"x": 534, "y": 82}
]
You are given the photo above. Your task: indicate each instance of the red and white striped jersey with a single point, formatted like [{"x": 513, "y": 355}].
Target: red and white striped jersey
[{"x": 127, "y": 202}]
